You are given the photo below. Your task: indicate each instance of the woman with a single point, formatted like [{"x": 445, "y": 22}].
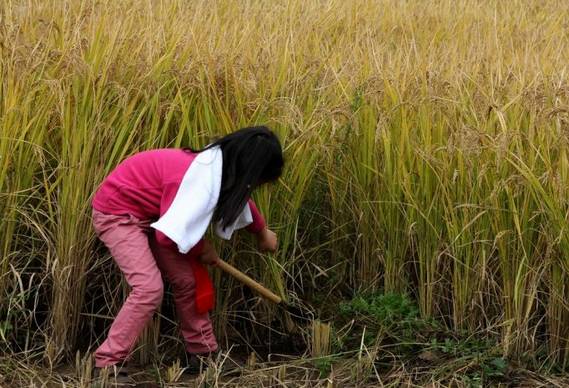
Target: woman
[{"x": 152, "y": 212}]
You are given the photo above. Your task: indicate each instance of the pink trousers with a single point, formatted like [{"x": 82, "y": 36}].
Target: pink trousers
[{"x": 143, "y": 262}]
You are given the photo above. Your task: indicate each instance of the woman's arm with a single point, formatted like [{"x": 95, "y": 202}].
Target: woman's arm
[
  {"x": 266, "y": 238},
  {"x": 258, "y": 220}
]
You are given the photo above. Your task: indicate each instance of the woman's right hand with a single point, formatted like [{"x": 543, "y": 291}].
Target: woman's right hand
[
  {"x": 267, "y": 240},
  {"x": 209, "y": 255}
]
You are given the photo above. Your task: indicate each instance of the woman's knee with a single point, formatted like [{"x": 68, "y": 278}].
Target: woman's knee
[{"x": 151, "y": 292}]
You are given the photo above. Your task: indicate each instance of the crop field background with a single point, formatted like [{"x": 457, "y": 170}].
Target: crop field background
[{"x": 423, "y": 212}]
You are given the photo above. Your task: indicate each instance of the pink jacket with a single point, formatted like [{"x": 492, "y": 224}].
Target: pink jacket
[{"x": 145, "y": 184}]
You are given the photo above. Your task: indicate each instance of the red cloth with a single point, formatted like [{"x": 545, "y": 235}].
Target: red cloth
[{"x": 205, "y": 293}]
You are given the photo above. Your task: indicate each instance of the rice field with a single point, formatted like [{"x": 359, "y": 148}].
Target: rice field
[{"x": 427, "y": 173}]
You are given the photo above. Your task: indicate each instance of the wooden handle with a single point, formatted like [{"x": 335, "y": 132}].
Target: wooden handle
[{"x": 231, "y": 270}]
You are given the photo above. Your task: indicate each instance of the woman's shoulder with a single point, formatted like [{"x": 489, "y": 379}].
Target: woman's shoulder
[{"x": 172, "y": 163}]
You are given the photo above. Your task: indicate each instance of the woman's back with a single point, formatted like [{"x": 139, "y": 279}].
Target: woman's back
[{"x": 136, "y": 186}]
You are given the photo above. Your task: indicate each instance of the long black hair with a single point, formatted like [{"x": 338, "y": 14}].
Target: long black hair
[{"x": 251, "y": 156}]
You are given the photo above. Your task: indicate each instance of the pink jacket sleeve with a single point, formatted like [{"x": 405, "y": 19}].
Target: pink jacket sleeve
[{"x": 258, "y": 221}]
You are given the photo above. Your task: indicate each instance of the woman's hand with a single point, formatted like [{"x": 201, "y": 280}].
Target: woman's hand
[
  {"x": 267, "y": 240},
  {"x": 208, "y": 255}
]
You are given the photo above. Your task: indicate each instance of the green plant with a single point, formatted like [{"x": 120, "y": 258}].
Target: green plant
[
  {"x": 480, "y": 359},
  {"x": 324, "y": 365}
]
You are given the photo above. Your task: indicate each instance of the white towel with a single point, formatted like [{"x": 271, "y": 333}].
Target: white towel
[{"x": 188, "y": 217}]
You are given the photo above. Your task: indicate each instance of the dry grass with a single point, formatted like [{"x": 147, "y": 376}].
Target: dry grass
[
  {"x": 292, "y": 373},
  {"x": 425, "y": 141}
]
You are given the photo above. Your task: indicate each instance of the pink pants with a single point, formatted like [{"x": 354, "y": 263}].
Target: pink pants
[{"x": 143, "y": 262}]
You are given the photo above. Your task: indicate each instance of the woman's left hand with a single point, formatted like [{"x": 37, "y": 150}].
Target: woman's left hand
[{"x": 267, "y": 240}]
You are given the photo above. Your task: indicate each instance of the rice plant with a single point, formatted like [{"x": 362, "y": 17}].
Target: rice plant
[{"x": 425, "y": 142}]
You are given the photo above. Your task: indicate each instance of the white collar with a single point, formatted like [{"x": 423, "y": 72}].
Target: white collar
[{"x": 188, "y": 217}]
